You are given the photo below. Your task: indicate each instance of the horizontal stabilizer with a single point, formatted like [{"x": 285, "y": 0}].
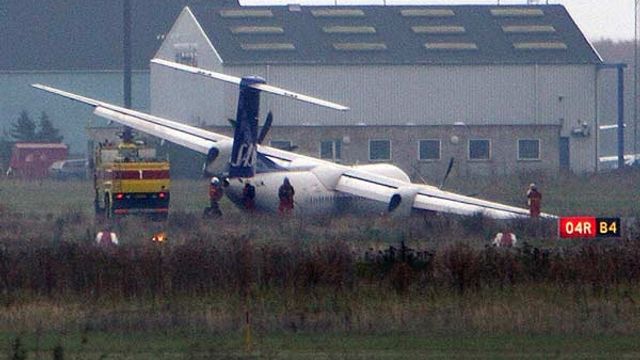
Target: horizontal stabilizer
[
  {"x": 262, "y": 87},
  {"x": 610, "y": 127},
  {"x": 197, "y": 71}
]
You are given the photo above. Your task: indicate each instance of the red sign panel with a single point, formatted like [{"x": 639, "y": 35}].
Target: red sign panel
[
  {"x": 588, "y": 227},
  {"x": 577, "y": 227}
]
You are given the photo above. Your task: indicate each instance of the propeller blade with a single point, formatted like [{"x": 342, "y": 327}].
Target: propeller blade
[
  {"x": 419, "y": 174},
  {"x": 262, "y": 87},
  {"x": 446, "y": 174},
  {"x": 265, "y": 128}
]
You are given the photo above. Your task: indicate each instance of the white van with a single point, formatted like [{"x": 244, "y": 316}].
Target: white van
[{"x": 69, "y": 169}]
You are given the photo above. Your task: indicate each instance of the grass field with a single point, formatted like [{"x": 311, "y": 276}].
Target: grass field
[
  {"x": 605, "y": 194},
  {"x": 398, "y": 345},
  {"x": 318, "y": 288},
  {"x": 56, "y": 197}
]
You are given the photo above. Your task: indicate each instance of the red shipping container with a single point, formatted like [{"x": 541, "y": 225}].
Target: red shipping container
[{"x": 32, "y": 160}]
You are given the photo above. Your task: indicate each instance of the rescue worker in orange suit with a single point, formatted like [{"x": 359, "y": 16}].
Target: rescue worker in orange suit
[
  {"x": 215, "y": 195},
  {"x": 248, "y": 196},
  {"x": 534, "y": 200},
  {"x": 285, "y": 193}
]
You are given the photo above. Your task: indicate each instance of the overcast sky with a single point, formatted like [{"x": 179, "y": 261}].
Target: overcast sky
[{"x": 599, "y": 19}]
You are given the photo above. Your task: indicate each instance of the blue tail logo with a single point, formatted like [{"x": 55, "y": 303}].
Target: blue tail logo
[{"x": 243, "y": 154}]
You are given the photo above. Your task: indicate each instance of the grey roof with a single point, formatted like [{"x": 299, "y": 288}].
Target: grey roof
[
  {"x": 87, "y": 35},
  {"x": 476, "y": 34}
]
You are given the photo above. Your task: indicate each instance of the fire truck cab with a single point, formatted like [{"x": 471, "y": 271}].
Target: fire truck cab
[{"x": 130, "y": 179}]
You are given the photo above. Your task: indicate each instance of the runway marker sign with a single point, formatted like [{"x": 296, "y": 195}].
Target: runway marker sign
[{"x": 588, "y": 227}]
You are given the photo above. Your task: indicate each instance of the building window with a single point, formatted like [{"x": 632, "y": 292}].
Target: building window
[
  {"x": 429, "y": 150},
  {"x": 528, "y": 149},
  {"x": 281, "y": 144},
  {"x": 479, "y": 149},
  {"x": 379, "y": 150},
  {"x": 187, "y": 58},
  {"x": 331, "y": 150}
]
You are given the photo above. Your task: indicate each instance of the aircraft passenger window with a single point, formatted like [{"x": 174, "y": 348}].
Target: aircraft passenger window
[
  {"x": 379, "y": 150},
  {"x": 528, "y": 149},
  {"x": 429, "y": 150},
  {"x": 479, "y": 150}
]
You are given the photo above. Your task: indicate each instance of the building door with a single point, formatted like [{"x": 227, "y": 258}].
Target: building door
[{"x": 564, "y": 153}]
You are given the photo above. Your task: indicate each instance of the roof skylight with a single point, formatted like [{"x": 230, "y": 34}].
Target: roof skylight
[
  {"x": 337, "y": 13},
  {"x": 517, "y": 12},
  {"x": 338, "y": 29},
  {"x": 451, "y": 46},
  {"x": 246, "y": 13},
  {"x": 540, "y": 45},
  {"x": 528, "y": 29},
  {"x": 438, "y": 29},
  {"x": 257, "y": 30},
  {"x": 427, "y": 12},
  {"x": 360, "y": 46},
  {"x": 267, "y": 46}
]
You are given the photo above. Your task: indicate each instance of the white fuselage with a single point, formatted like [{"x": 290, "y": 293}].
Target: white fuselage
[{"x": 311, "y": 196}]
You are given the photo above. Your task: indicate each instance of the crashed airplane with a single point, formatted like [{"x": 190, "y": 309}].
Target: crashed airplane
[{"x": 321, "y": 187}]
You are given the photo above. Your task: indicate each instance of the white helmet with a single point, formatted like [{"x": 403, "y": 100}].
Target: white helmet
[{"x": 215, "y": 181}]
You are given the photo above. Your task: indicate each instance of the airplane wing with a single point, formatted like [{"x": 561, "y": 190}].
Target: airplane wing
[
  {"x": 363, "y": 183},
  {"x": 344, "y": 179},
  {"x": 424, "y": 197},
  {"x": 191, "y": 137}
]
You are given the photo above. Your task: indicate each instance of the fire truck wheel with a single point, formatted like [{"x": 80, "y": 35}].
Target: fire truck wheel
[{"x": 159, "y": 217}]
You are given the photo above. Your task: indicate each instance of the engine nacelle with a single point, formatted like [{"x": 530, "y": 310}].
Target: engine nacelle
[
  {"x": 387, "y": 170},
  {"x": 218, "y": 158},
  {"x": 401, "y": 202}
]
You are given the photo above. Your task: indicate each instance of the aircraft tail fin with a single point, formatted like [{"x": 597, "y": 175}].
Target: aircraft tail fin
[{"x": 245, "y": 138}]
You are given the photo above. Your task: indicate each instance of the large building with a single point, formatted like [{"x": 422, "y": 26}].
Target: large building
[{"x": 501, "y": 89}]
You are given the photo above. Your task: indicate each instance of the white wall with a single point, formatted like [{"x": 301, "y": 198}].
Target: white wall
[{"x": 387, "y": 94}]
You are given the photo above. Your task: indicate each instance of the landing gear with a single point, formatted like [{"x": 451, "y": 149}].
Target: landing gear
[
  {"x": 102, "y": 212},
  {"x": 211, "y": 212}
]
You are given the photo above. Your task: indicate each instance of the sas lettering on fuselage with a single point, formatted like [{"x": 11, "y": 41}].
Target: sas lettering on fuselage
[{"x": 246, "y": 156}]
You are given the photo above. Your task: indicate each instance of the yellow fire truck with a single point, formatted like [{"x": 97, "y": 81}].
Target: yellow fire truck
[{"x": 130, "y": 179}]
